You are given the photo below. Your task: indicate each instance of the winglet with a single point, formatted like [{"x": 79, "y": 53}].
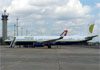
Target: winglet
[{"x": 64, "y": 33}]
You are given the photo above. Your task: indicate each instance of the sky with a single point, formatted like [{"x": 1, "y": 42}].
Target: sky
[{"x": 51, "y": 17}]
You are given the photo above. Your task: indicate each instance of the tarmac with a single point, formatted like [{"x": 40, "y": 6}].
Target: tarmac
[{"x": 57, "y": 58}]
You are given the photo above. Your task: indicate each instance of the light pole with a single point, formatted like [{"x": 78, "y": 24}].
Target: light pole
[
  {"x": 17, "y": 26},
  {"x": 21, "y": 31},
  {"x": 14, "y": 30}
]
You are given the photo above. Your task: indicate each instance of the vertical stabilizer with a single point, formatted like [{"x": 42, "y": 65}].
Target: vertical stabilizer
[{"x": 91, "y": 28}]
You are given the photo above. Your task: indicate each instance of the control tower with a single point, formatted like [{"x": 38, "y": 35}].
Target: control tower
[{"x": 4, "y": 25}]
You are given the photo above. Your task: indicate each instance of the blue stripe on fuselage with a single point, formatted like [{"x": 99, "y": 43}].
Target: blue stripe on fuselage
[{"x": 41, "y": 44}]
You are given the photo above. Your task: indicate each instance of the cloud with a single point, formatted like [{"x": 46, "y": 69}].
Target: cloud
[
  {"x": 46, "y": 2},
  {"x": 41, "y": 22},
  {"x": 98, "y": 5},
  {"x": 43, "y": 30},
  {"x": 49, "y": 17},
  {"x": 75, "y": 26},
  {"x": 72, "y": 9},
  {"x": 4, "y": 4},
  {"x": 98, "y": 15},
  {"x": 48, "y": 8}
]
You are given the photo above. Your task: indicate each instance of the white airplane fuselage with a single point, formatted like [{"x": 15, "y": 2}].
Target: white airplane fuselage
[
  {"x": 44, "y": 38},
  {"x": 40, "y": 39}
]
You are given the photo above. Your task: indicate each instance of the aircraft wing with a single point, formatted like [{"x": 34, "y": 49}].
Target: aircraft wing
[
  {"x": 51, "y": 41},
  {"x": 48, "y": 42}
]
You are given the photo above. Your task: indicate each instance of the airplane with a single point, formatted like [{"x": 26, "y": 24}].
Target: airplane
[
  {"x": 41, "y": 41},
  {"x": 35, "y": 40}
]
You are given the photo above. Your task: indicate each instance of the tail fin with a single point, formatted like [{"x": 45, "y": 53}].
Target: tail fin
[
  {"x": 91, "y": 28},
  {"x": 64, "y": 33}
]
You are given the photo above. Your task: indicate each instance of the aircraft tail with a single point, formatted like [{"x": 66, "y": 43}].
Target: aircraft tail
[
  {"x": 90, "y": 37},
  {"x": 64, "y": 33},
  {"x": 91, "y": 27}
]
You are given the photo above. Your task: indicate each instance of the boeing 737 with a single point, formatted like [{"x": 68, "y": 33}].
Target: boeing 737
[{"x": 37, "y": 41}]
